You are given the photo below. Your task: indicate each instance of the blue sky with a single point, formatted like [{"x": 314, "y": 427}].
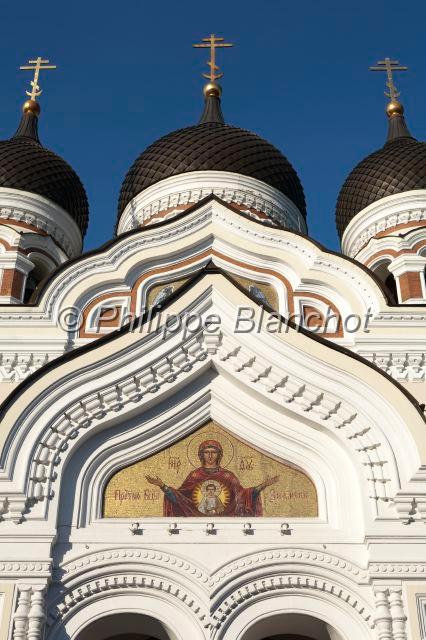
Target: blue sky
[{"x": 297, "y": 75}]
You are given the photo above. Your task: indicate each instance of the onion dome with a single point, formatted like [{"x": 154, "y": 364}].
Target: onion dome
[
  {"x": 400, "y": 165},
  {"x": 26, "y": 165},
  {"x": 212, "y": 145}
]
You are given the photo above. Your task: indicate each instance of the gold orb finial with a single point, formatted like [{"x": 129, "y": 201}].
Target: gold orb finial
[
  {"x": 212, "y": 89},
  {"x": 31, "y": 106},
  {"x": 394, "y": 108}
]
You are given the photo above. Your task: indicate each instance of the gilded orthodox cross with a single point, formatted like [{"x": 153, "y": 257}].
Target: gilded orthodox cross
[
  {"x": 36, "y": 65},
  {"x": 390, "y": 66},
  {"x": 212, "y": 43}
]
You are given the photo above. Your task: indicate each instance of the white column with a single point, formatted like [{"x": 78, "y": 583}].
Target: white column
[
  {"x": 20, "y": 619},
  {"x": 403, "y": 266},
  {"x": 30, "y": 614},
  {"x": 397, "y": 612},
  {"x": 383, "y": 617}
]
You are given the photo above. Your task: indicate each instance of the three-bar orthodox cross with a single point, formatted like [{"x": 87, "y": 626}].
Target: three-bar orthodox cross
[
  {"x": 213, "y": 43},
  {"x": 36, "y": 65},
  {"x": 390, "y": 66}
]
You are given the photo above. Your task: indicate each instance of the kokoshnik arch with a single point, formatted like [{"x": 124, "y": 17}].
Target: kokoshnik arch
[{"x": 166, "y": 482}]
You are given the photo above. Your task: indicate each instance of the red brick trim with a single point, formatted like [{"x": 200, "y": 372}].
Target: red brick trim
[
  {"x": 17, "y": 223},
  {"x": 410, "y": 285},
  {"x": 391, "y": 252},
  {"x": 171, "y": 269},
  {"x": 328, "y": 303},
  {"x": 11, "y": 283},
  {"x": 382, "y": 234}
]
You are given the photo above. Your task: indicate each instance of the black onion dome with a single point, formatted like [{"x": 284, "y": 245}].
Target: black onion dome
[
  {"x": 212, "y": 145},
  {"x": 400, "y": 165},
  {"x": 26, "y": 165}
]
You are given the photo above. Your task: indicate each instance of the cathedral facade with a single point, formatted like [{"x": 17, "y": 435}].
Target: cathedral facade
[{"x": 212, "y": 427}]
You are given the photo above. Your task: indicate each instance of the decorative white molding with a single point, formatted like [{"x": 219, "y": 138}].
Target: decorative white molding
[
  {"x": 65, "y": 291},
  {"x": 150, "y": 379},
  {"x": 272, "y": 558},
  {"x": 155, "y": 558},
  {"x": 293, "y": 583},
  {"x": 403, "y": 367},
  {"x": 138, "y": 582},
  {"x": 25, "y": 569},
  {"x": 39, "y": 212},
  {"x": 118, "y": 305},
  {"x": 398, "y": 570},
  {"x": 233, "y": 227},
  {"x": 133, "y": 378},
  {"x": 31, "y": 242},
  {"x": 390, "y": 618},
  {"x": 29, "y": 617},
  {"x": 177, "y": 192},
  {"x": 407, "y": 263},
  {"x": 107, "y": 263},
  {"x": 217, "y": 599},
  {"x": 20, "y": 618},
  {"x": 383, "y": 618},
  {"x": 17, "y": 365},
  {"x": 386, "y": 213}
]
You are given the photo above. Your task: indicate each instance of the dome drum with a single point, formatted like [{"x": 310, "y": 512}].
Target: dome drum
[
  {"x": 380, "y": 212},
  {"x": 398, "y": 167},
  {"x": 39, "y": 215},
  {"x": 388, "y": 216},
  {"x": 27, "y": 166},
  {"x": 212, "y": 147},
  {"x": 173, "y": 195},
  {"x": 45, "y": 206}
]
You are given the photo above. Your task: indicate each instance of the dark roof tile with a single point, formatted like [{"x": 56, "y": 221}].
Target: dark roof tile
[
  {"x": 212, "y": 146},
  {"x": 25, "y": 164},
  {"x": 397, "y": 167}
]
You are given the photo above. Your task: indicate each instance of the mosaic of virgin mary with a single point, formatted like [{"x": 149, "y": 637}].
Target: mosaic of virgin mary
[{"x": 211, "y": 489}]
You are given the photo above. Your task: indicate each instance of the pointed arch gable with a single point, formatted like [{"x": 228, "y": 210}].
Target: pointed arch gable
[
  {"x": 183, "y": 417},
  {"x": 98, "y": 386}
]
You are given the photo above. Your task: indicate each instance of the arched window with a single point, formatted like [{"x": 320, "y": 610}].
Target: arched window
[
  {"x": 42, "y": 267},
  {"x": 387, "y": 278}
]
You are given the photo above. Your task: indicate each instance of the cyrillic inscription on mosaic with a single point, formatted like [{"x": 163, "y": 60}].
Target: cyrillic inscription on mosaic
[{"x": 210, "y": 473}]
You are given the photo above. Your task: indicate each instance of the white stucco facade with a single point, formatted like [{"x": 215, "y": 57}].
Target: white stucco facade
[{"x": 85, "y": 396}]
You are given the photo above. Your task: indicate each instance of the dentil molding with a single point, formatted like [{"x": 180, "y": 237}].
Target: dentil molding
[
  {"x": 179, "y": 361},
  {"x": 399, "y": 209},
  {"x": 290, "y": 556},
  {"x": 136, "y": 582},
  {"x": 265, "y": 587},
  {"x": 144, "y": 556},
  {"x": 174, "y": 194},
  {"x": 39, "y": 212},
  {"x": 408, "y": 366}
]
